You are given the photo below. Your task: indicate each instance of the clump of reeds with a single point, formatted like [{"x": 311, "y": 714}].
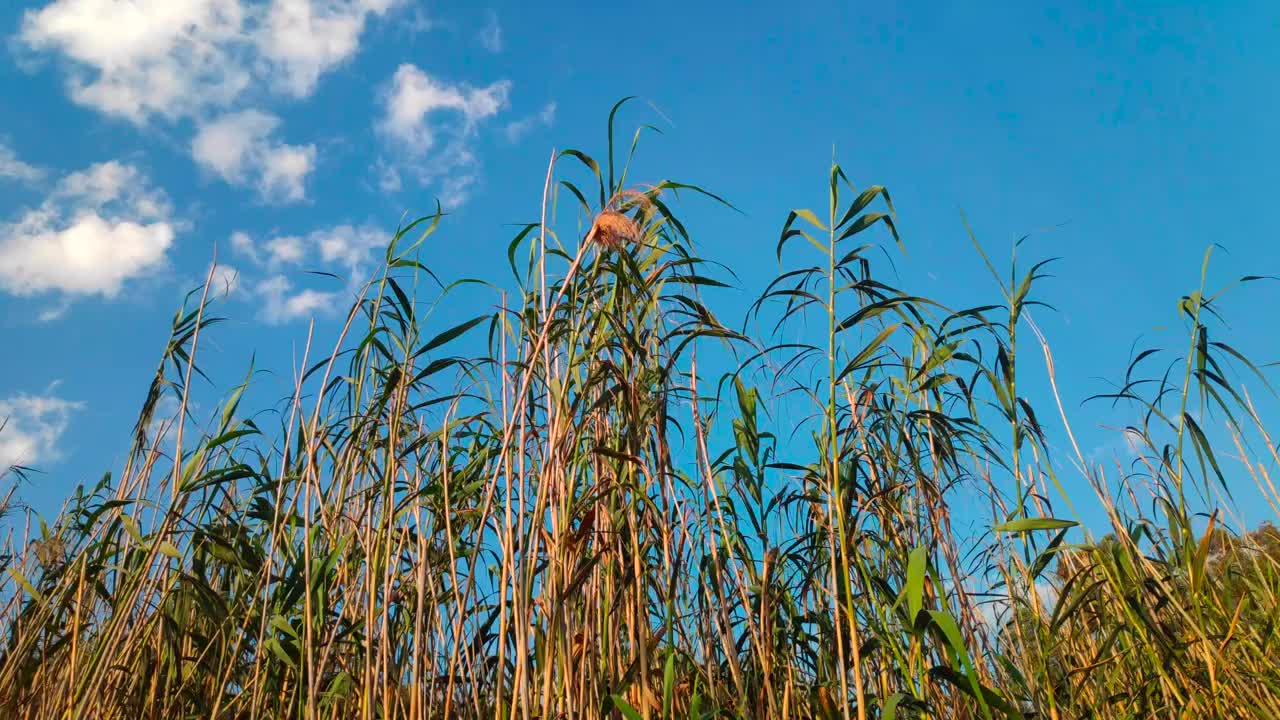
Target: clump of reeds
[{"x": 624, "y": 507}]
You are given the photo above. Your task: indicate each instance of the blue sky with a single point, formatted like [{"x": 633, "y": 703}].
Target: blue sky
[{"x": 293, "y": 134}]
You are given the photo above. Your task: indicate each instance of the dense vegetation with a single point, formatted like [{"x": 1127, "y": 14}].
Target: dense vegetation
[{"x": 580, "y": 523}]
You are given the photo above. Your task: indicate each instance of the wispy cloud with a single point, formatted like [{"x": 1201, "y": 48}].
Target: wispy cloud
[
  {"x": 11, "y": 168},
  {"x": 31, "y": 427},
  {"x": 430, "y": 124},
  {"x": 1125, "y": 444},
  {"x": 281, "y": 302},
  {"x": 418, "y": 23},
  {"x": 546, "y": 117},
  {"x": 344, "y": 250},
  {"x": 490, "y": 35},
  {"x": 418, "y": 107},
  {"x": 224, "y": 281},
  {"x": 240, "y": 148}
]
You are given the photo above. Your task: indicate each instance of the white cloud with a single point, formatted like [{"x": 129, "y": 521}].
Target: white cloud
[
  {"x": 280, "y": 303},
  {"x": 414, "y": 99},
  {"x": 239, "y": 147},
  {"x": 90, "y": 255},
  {"x": 55, "y": 311},
  {"x": 285, "y": 250},
  {"x": 135, "y": 59},
  {"x": 285, "y": 170},
  {"x": 1123, "y": 445},
  {"x": 173, "y": 58},
  {"x": 348, "y": 248},
  {"x": 99, "y": 228},
  {"x": 111, "y": 182},
  {"x": 344, "y": 250},
  {"x": 388, "y": 177},
  {"x": 491, "y": 34},
  {"x": 454, "y": 190},
  {"x": 433, "y": 123},
  {"x": 545, "y": 117},
  {"x": 30, "y": 427},
  {"x": 11, "y": 168},
  {"x": 420, "y": 23},
  {"x": 224, "y": 145},
  {"x": 242, "y": 244},
  {"x": 224, "y": 281},
  {"x": 306, "y": 38}
]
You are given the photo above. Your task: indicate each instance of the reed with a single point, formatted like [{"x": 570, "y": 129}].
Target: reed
[{"x": 584, "y": 503}]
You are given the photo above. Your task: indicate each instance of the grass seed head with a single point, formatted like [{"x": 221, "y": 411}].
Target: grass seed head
[{"x": 612, "y": 229}]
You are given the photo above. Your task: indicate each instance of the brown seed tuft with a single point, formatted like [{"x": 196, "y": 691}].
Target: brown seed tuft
[{"x": 613, "y": 229}]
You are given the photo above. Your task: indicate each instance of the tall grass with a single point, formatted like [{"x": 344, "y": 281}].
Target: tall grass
[{"x": 578, "y": 523}]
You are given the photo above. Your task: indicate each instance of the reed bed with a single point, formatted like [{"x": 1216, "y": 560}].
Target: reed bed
[{"x": 597, "y": 498}]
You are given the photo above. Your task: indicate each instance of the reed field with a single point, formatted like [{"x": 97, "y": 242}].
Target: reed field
[{"x": 599, "y": 495}]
